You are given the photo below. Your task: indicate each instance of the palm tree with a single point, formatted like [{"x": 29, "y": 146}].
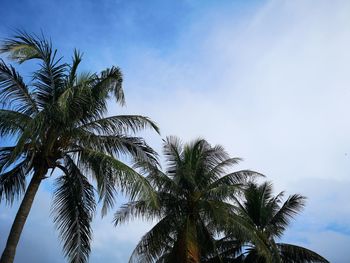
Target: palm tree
[
  {"x": 270, "y": 216},
  {"x": 57, "y": 121},
  {"x": 192, "y": 202}
]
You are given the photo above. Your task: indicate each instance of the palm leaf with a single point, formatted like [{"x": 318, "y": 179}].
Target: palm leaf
[
  {"x": 293, "y": 253},
  {"x": 110, "y": 80},
  {"x": 120, "y": 124},
  {"x": 117, "y": 145},
  {"x": 73, "y": 209},
  {"x": 110, "y": 174},
  {"x": 13, "y": 182},
  {"x": 23, "y": 47},
  {"x": 14, "y": 91},
  {"x": 13, "y": 122},
  {"x": 77, "y": 57},
  {"x": 49, "y": 78},
  {"x": 154, "y": 243},
  {"x": 293, "y": 205}
]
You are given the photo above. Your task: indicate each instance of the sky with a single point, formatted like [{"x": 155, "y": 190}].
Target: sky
[{"x": 269, "y": 80}]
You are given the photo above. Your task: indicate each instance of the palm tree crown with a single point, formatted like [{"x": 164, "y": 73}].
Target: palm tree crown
[
  {"x": 190, "y": 201},
  {"x": 58, "y": 122},
  {"x": 270, "y": 216}
]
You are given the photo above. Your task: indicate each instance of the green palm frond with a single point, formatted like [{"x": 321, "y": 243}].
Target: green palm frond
[
  {"x": 112, "y": 174},
  {"x": 73, "y": 209},
  {"x": 13, "y": 182},
  {"x": 157, "y": 178},
  {"x": 296, "y": 254},
  {"x": 223, "y": 192},
  {"x": 110, "y": 80},
  {"x": 77, "y": 57},
  {"x": 33, "y": 130},
  {"x": 172, "y": 151},
  {"x": 23, "y": 47},
  {"x": 136, "y": 209},
  {"x": 105, "y": 176},
  {"x": 217, "y": 213},
  {"x": 14, "y": 91},
  {"x": 13, "y": 122},
  {"x": 238, "y": 177},
  {"x": 223, "y": 166},
  {"x": 155, "y": 242},
  {"x": 49, "y": 78},
  {"x": 226, "y": 251},
  {"x": 294, "y": 204},
  {"x": 5, "y": 155},
  {"x": 228, "y": 185},
  {"x": 120, "y": 124},
  {"x": 256, "y": 203},
  {"x": 49, "y": 81},
  {"x": 253, "y": 256},
  {"x": 117, "y": 145}
]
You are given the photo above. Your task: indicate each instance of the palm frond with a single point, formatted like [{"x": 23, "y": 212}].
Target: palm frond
[
  {"x": 112, "y": 174},
  {"x": 49, "y": 81},
  {"x": 12, "y": 122},
  {"x": 77, "y": 57},
  {"x": 109, "y": 81},
  {"x": 32, "y": 131},
  {"x": 223, "y": 192},
  {"x": 120, "y": 124},
  {"x": 73, "y": 209},
  {"x": 13, "y": 182},
  {"x": 213, "y": 155},
  {"x": 154, "y": 242},
  {"x": 158, "y": 179},
  {"x": 76, "y": 105},
  {"x": 49, "y": 78},
  {"x": 136, "y": 209},
  {"x": 222, "y": 167},
  {"x": 256, "y": 204},
  {"x": 293, "y": 253},
  {"x": 235, "y": 178},
  {"x": 5, "y": 156},
  {"x": 23, "y": 47},
  {"x": 172, "y": 151},
  {"x": 289, "y": 209},
  {"x": 117, "y": 145},
  {"x": 227, "y": 250},
  {"x": 14, "y": 92}
]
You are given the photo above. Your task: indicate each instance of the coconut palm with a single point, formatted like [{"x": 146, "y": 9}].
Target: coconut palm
[
  {"x": 192, "y": 198},
  {"x": 270, "y": 216},
  {"x": 58, "y": 121}
]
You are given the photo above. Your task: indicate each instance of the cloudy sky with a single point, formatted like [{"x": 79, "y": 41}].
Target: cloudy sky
[{"x": 269, "y": 80}]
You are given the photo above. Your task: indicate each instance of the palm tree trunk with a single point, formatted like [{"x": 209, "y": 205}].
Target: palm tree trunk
[
  {"x": 8, "y": 255},
  {"x": 188, "y": 249}
]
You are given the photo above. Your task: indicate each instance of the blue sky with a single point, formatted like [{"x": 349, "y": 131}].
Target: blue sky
[{"x": 267, "y": 79}]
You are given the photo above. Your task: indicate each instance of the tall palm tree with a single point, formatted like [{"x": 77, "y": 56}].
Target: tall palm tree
[
  {"x": 270, "y": 216},
  {"x": 192, "y": 198},
  {"x": 57, "y": 121}
]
